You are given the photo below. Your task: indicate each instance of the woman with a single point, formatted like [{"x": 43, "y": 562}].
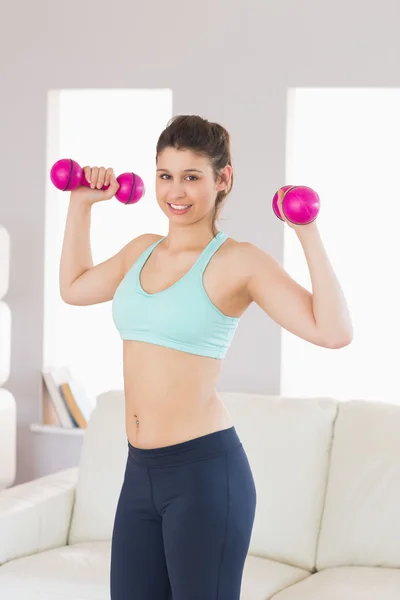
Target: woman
[{"x": 186, "y": 508}]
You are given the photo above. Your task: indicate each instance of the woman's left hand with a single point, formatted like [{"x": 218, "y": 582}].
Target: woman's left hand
[
  {"x": 281, "y": 194},
  {"x": 296, "y": 226}
]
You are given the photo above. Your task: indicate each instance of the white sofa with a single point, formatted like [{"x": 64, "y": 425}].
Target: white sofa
[
  {"x": 8, "y": 437},
  {"x": 327, "y": 523},
  {"x": 8, "y": 407}
]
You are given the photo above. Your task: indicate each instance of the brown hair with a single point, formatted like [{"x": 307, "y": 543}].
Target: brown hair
[{"x": 191, "y": 132}]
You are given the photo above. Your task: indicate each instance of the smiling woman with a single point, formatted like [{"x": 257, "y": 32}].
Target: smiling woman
[{"x": 177, "y": 301}]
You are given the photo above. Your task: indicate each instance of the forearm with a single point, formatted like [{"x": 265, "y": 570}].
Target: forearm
[
  {"x": 76, "y": 254},
  {"x": 329, "y": 305}
]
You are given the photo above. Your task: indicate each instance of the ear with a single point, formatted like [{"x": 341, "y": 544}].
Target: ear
[{"x": 224, "y": 178}]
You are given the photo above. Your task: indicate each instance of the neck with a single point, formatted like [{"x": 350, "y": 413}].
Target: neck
[{"x": 191, "y": 237}]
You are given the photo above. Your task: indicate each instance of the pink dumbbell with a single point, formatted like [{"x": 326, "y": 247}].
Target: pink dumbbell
[
  {"x": 67, "y": 175},
  {"x": 300, "y": 204}
]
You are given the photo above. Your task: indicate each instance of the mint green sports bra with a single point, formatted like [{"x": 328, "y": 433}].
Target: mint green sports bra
[{"x": 181, "y": 317}]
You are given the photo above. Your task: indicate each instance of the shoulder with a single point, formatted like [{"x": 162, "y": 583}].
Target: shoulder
[
  {"x": 137, "y": 246},
  {"x": 146, "y": 239},
  {"x": 245, "y": 252},
  {"x": 250, "y": 253},
  {"x": 140, "y": 243},
  {"x": 248, "y": 258}
]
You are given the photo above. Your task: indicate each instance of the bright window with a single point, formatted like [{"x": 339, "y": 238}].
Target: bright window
[
  {"x": 344, "y": 144},
  {"x": 117, "y": 128}
]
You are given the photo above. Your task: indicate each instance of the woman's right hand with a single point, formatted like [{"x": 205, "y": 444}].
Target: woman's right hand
[{"x": 97, "y": 177}]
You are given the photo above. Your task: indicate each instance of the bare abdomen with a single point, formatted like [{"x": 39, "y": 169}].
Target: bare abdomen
[{"x": 170, "y": 395}]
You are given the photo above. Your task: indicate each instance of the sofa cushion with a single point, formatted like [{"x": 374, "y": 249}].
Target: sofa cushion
[
  {"x": 361, "y": 522},
  {"x": 82, "y": 571},
  {"x": 288, "y": 443},
  {"x": 66, "y": 573},
  {"x": 346, "y": 583},
  {"x": 262, "y": 578}
]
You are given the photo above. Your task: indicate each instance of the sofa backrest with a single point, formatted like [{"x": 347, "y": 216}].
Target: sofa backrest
[
  {"x": 361, "y": 520},
  {"x": 287, "y": 441},
  {"x": 8, "y": 438},
  {"x": 327, "y": 475}
]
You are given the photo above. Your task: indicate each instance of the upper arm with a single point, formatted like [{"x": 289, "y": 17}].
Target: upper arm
[
  {"x": 287, "y": 302},
  {"x": 99, "y": 283}
]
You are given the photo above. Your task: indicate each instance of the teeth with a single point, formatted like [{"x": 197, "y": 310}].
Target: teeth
[{"x": 179, "y": 206}]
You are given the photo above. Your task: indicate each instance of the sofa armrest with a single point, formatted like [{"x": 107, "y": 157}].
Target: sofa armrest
[{"x": 35, "y": 516}]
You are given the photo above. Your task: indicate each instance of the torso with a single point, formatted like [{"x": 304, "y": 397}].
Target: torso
[{"x": 171, "y": 395}]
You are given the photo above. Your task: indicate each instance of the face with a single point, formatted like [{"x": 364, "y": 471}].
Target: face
[{"x": 185, "y": 179}]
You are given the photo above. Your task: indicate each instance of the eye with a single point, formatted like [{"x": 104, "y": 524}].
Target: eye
[{"x": 193, "y": 177}]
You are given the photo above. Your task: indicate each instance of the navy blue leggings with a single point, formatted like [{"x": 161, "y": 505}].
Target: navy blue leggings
[{"x": 183, "y": 521}]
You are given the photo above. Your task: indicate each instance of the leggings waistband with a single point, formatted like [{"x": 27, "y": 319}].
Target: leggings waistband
[{"x": 197, "y": 448}]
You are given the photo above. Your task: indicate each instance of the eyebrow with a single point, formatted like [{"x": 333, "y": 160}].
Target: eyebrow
[{"x": 185, "y": 171}]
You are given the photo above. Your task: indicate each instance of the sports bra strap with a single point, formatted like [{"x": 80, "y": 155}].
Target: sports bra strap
[
  {"x": 145, "y": 255},
  {"x": 210, "y": 250},
  {"x": 201, "y": 262}
]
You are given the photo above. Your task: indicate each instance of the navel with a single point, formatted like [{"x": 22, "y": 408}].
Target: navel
[{"x": 137, "y": 420}]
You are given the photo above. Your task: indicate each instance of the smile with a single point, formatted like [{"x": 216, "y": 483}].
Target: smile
[{"x": 179, "y": 208}]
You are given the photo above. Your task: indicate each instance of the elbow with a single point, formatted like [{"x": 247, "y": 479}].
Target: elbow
[
  {"x": 340, "y": 342},
  {"x": 66, "y": 299},
  {"x": 66, "y": 296}
]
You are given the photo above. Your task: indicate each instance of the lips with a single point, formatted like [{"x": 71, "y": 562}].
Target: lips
[
  {"x": 179, "y": 211},
  {"x": 173, "y": 204}
]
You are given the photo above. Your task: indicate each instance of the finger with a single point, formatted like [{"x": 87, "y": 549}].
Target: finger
[
  {"x": 87, "y": 173},
  {"x": 95, "y": 173},
  {"x": 114, "y": 184},
  {"x": 113, "y": 189},
  {"x": 101, "y": 177},
  {"x": 108, "y": 177}
]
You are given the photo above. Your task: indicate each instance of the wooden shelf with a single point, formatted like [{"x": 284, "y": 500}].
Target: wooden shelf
[{"x": 56, "y": 429}]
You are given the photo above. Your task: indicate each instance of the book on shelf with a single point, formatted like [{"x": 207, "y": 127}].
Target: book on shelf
[{"x": 65, "y": 402}]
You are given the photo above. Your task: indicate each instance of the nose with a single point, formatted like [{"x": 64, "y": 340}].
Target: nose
[{"x": 176, "y": 191}]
